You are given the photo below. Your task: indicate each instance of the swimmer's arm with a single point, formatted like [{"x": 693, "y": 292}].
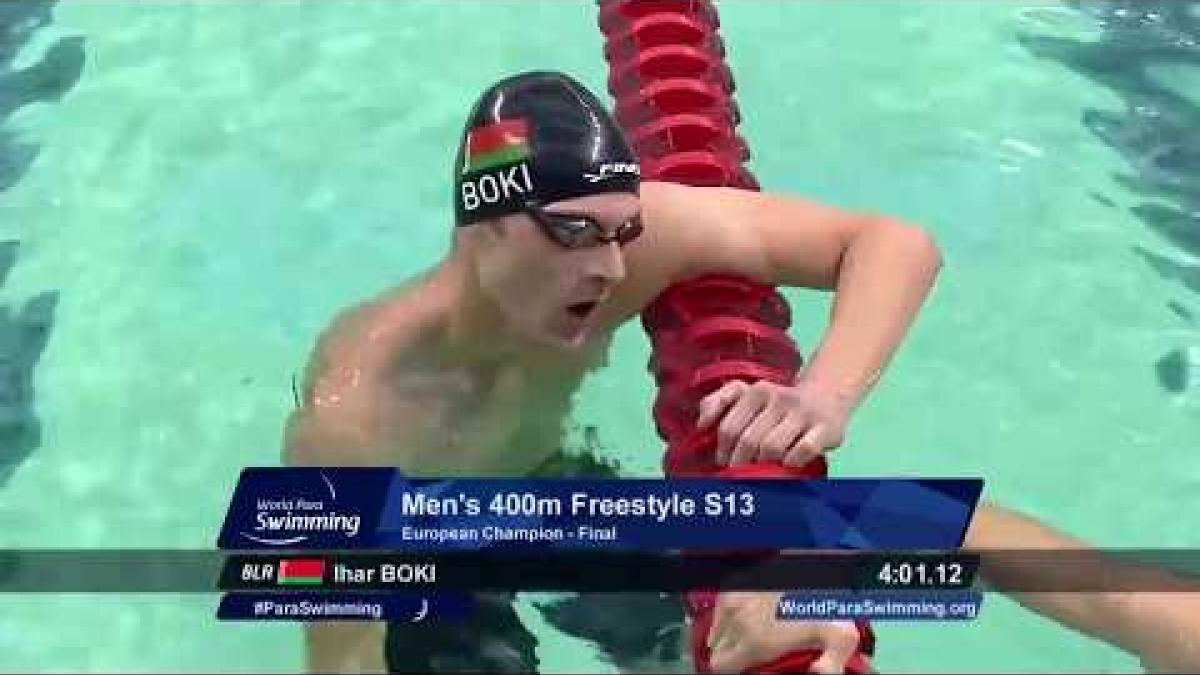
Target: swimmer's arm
[
  {"x": 880, "y": 269},
  {"x": 312, "y": 439},
  {"x": 1163, "y": 628},
  {"x": 351, "y": 647},
  {"x": 323, "y": 434}
]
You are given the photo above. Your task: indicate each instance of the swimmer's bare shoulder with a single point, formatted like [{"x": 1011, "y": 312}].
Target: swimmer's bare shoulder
[
  {"x": 693, "y": 231},
  {"x": 349, "y": 413}
]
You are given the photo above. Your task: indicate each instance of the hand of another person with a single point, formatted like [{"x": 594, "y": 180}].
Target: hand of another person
[{"x": 746, "y": 633}]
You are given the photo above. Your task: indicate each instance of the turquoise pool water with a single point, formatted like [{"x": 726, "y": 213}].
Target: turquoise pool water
[{"x": 225, "y": 175}]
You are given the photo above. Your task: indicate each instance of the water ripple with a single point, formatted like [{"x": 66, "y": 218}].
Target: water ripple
[{"x": 1148, "y": 53}]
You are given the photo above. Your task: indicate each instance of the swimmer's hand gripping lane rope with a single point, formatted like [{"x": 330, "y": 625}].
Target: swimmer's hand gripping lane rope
[{"x": 674, "y": 98}]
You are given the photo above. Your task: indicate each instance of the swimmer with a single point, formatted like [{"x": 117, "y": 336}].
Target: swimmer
[
  {"x": 470, "y": 369},
  {"x": 1161, "y": 627}
]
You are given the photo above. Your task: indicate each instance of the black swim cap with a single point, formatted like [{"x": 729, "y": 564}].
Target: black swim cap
[{"x": 538, "y": 136}]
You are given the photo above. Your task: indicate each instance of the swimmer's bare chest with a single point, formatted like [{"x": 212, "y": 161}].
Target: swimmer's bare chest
[{"x": 501, "y": 423}]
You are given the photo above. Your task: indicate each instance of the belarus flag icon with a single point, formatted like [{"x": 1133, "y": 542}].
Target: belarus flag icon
[{"x": 302, "y": 572}]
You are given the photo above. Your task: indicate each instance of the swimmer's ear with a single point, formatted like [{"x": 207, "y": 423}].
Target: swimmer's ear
[
  {"x": 500, "y": 227},
  {"x": 492, "y": 228}
]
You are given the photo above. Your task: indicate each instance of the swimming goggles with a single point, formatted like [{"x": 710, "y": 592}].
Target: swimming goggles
[{"x": 575, "y": 230}]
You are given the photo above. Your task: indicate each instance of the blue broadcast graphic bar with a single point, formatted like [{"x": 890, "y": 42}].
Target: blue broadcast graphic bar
[
  {"x": 378, "y": 508},
  {"x": 393, "y": 606}
]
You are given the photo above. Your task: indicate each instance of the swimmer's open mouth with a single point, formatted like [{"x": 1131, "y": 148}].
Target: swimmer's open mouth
[{"x": 582, "y": 310}]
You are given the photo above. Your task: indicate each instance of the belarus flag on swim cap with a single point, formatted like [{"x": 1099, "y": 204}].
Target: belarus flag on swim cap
[{"x": 502, "y": 142}]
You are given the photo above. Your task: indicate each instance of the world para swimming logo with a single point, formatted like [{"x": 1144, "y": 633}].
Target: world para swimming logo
[{"x": 298, "y": 514}]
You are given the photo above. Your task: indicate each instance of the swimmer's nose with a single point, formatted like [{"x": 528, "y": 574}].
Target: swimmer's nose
[{"x": 608, "y": 264}]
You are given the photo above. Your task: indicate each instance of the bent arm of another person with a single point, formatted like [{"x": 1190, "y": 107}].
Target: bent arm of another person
[{"x": 1160, "y": 624}]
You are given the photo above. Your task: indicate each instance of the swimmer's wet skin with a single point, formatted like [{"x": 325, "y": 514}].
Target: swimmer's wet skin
[{"x": 471, "y": 370}]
